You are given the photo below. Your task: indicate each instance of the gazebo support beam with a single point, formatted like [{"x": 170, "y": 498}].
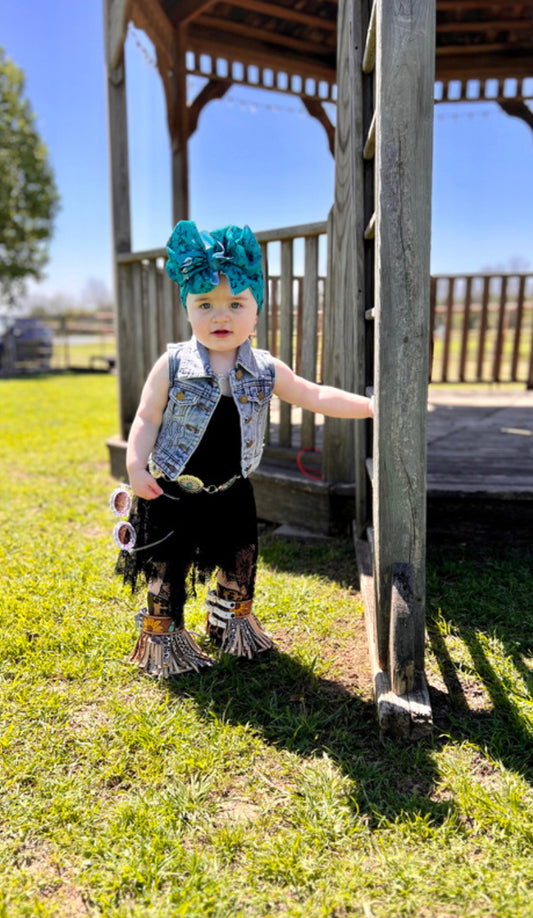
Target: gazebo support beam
[
  {"x": 179, "y": 131},
  {"x": 120, "y": 205},
  {"x": 188, "y": 10}
]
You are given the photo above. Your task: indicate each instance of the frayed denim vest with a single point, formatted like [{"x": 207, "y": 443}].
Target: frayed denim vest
[{"x": 194, "y": 394}]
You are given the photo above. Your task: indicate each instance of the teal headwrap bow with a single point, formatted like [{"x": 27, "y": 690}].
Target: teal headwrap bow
[{"x": 196, "y": 260}]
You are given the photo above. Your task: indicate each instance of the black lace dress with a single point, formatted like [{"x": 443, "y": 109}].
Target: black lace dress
[{"x": 195, "y": 533}]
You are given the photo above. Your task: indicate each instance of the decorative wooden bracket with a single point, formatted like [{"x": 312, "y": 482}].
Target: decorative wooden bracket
[
  {"x": 215, "y": 89},
  {"x": 316, "y": 110},
  {"x": 517, "y": 109}
]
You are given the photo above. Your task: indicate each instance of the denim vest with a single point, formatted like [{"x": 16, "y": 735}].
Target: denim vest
[{"x": 194, "y": 394}]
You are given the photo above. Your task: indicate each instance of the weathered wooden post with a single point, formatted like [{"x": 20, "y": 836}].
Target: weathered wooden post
[
  {"x": 405, "y": 66},
  {"x": 395, "y": 49},
  {"x": 179, "y": 129},
  {"x": 344, "y": 364},
  {"x": 126, "y": 333}
]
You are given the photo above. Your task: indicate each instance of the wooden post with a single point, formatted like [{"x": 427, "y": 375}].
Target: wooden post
[
  {"x": 120, "y": 204},
  {"x": 405, "y": 60},
  {"x": 344, "y": 361},
  {"x": 179, "y": 131}
]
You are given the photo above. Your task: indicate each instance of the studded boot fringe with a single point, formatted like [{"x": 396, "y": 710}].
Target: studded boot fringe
[
  {"x": 161, "y": 651},
  {"x": 235, "y": 626}
]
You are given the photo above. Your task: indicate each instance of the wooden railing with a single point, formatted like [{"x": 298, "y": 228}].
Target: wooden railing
[
  {"x": 482, "y": 328},
  {"x": 482, "y": 325},
  {"x": 292, "y": 320}
]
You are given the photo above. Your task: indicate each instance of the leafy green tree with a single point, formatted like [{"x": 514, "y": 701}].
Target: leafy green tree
[{"x": 29, "y": 199}]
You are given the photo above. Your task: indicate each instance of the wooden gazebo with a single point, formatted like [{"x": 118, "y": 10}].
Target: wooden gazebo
[{"x": 383, "y": 63}]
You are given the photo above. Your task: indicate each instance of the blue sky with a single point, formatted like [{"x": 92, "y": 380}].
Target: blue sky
[{"x": 256, "y": 157}]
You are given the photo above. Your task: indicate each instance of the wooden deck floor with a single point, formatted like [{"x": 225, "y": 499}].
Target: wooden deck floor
[
  {"x": 480, "y": 466},
  {"x": 480, "y": 469},
  {"x": 480, "y": 443}
]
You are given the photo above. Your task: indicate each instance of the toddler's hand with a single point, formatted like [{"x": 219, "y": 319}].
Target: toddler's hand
[{"x": 144, "y": 485}]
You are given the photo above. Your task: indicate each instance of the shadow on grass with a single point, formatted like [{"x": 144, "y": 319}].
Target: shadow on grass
[
  {"x": 332, "y": 559},
  {"x": 485, "y": 592},
  {"x": 292, "y": 708},
  {"x": 485, "y": 598}
]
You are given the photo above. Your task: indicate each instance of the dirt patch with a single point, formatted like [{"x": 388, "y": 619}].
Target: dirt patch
[
  {"x": 53, "y": 880},
  {"x": 346, "y": 652},
  {"x": 351, "y": 659},
  {"x": 239, "y": 811}
]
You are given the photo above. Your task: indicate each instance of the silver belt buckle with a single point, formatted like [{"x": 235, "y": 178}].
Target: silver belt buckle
[{"x": 190, "y": 483}]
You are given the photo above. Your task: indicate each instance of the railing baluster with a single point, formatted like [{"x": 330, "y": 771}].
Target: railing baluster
[
  {"x": 310, "y": 328},
  {"x": 262, "y": 322},
  {"x": 519, "y": 320},
  {"x": 432, "y": 317},
  {"x": 483, "y": 325},
  {"x": 448, "y": 330},
  {"x": 465, "y": 331},
  {"x": 320, "y": 335},
  {"x": 299, "y": 324},
  {"x": 529, "y": 380},
  {"x": 274, "y": 317},
  {"x": 151, "y": 308},
  {"x": 285, "y": 333},
  {"x": 500, "y": 333}
]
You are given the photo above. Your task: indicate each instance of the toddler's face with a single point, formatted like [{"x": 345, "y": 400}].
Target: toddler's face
[{"x": 220, "y": 320}]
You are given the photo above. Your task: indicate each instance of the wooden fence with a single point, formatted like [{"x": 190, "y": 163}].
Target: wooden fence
[
  {"x": 57, "y": 342},
  {"x": 292, "y": 321},
  {"x": 482, "y": 328}
]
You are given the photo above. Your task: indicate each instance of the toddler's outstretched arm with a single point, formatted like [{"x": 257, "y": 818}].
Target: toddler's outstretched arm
[
  {"x": 144, "y": 430},
  {"x": 336, "y": 403}
]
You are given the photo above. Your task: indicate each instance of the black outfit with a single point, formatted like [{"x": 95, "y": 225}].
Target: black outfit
[{"x": 197, "y": 532}]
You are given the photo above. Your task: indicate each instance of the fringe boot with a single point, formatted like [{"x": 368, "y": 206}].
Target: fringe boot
[
  {"x": 233, "y": 625},
  {"x": 161, "y": 651}
]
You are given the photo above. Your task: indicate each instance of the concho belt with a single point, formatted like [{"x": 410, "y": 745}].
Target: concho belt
[{"x": 194, "y": 485}]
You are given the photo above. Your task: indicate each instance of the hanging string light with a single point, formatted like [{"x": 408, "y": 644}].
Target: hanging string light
[{"x": 193, "y": 81}]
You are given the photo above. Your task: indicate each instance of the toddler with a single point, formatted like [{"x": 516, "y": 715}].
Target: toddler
[{"x": 196, "y": 438}]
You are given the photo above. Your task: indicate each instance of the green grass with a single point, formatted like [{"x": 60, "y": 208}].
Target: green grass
[
  {"x": 472, "y": 352},
  {"x": 255, "y": 789},
  {"x": 69, "y": 355}
]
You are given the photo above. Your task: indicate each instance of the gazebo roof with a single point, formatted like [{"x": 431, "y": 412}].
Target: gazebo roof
[
  {"x": 484, "y": 40},
  {"x": 475, "y": 38},
  {"x": 292, "y": 44}
]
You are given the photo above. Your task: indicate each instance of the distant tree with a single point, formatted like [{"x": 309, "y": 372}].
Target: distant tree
[
  {"x": 96, "y": 296},
  {"x": 29, "y": 199}
]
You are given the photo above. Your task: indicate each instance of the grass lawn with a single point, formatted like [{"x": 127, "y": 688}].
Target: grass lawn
[{"x": 255, "y": 789}]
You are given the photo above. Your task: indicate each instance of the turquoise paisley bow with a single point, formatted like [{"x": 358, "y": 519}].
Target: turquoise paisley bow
[{"x": 196, "y": 260}]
